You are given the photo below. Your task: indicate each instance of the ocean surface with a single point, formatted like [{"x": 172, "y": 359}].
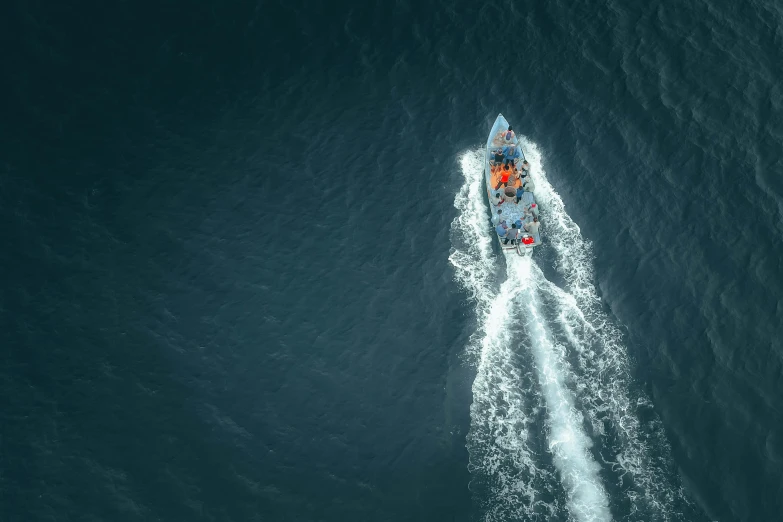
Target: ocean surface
[{"x": 248, "y": 273}]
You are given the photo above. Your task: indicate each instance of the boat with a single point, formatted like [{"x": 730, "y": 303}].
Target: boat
[{"x": 511, "y": 211}]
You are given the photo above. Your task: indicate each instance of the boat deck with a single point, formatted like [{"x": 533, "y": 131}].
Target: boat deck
[
  {"x": 511, "y": 211},
  {"x": 496, "y": 172}
]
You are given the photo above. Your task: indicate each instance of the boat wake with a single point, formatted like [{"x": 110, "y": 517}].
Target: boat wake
[{"x": 556, "y": 423}]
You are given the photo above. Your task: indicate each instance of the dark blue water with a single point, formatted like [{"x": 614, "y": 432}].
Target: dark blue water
[{"x": 226, "y": 289}]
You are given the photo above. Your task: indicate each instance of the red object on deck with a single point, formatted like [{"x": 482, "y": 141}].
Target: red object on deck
[{"x": 528, "y": 240}]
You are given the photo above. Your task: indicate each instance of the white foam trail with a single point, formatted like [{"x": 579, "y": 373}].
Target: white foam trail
[
  {"x": 507, "y": 403},
  {"x": 604, "y": 377},
  {"x": 568, "y": 443},
  {"x": 516, "y": 399},
  {"x": 501, "y": 412}
]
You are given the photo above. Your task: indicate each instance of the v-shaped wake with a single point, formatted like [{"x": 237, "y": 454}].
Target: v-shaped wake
[{"x": 554, "y": 425}]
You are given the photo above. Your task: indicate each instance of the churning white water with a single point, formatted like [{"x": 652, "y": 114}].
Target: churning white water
[
  {"x": 503, "y": 411},
  {"x": 549, "y": 364}
]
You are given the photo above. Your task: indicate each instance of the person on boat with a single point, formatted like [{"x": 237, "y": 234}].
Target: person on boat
[
  {"x": 505, "y": 136},
  {"x": 534, "y": 209},
  {"x": 518, "y": 223},
  {"x": 510, "y": 154},
  {"x": 501, "y": 229},
  {"x": 530, "y": 212},
  {"x": 504, "y": 175},
  {"x": 514, "y": 175},
  {"x": 497, "y": 201},
  {"x": 532, "y": 227},
  {"x": 528, "y": 184},
  {"x": 497, "y": 219},
  {"x": 511, "y": 235},
  {"x": 524, "y": 171},
  {"x": 520, "y": 193},
  {"x": 497, "y": 157}
]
